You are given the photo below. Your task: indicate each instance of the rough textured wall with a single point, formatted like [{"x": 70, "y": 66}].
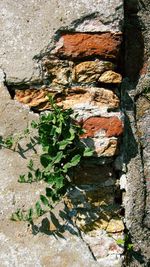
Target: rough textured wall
[
  {"x": 28, "y": 26},
  {"x": 80, "y": 55},
  {"x": 136, "y": 105}
]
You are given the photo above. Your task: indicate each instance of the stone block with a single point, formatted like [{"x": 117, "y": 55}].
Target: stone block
[
  {"x": 70, "y": 98},
  {"x": 92, "y": 174},
  {"x": 115, "y": 225},
  {"x": 86, "y": 96},
  {"x": 58, "y": 72},
  {"x": 102, "y": 146},
  {"x": 104, "y": 247},
  {"x": 110, "y": 77},
  {"x": 32, "y": 97},
  {"x": 90, "y": 71},
  {"x": 91, "y": 198}
]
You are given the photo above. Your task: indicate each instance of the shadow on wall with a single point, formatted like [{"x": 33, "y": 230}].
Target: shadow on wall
[
  {"x": 51, "y": 225},
  {"x": 134, "y": 42},
  {"x": 134, "y": 59},
  {"x": 133, "y": 64}
]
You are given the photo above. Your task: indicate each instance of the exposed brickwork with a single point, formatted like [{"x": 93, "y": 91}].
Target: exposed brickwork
[
  {"x": 110, "y": 77},
  {"x": 90, "y": 71},
  {"x": 80, "y": 45},
  {"x": 73, "y": 96},
  {"x": 80, "y": 73},
  {"x": 113, "y": 126}
]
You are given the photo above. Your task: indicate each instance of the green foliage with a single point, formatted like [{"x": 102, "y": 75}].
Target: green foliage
[
  {"x": 59, "y": 137},
  {"x": 8, "y": 142},
  {"x": 126, "y": 243},
  {"x": 11, "y": 141},
  {"x": 120, "y": 241}
]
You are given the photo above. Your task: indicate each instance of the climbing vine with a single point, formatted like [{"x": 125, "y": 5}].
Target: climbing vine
[{"x": 59, "y": 137}]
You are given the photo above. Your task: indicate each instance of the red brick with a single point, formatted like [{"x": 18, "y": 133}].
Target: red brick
[
  {"x": 112, "y": 125},
  {"x": 80, "y": 45}
]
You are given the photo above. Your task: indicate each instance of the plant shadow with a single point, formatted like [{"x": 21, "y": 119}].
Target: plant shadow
[{"x": 56, "y": 225}]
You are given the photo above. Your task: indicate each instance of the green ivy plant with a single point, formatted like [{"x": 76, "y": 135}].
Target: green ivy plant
[
  {"x": 126, "y": 242},
  {"x": 62, "y": 150}
]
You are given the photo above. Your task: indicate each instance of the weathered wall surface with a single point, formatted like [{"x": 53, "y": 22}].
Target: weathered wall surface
[
  {"x": 81, "y": 51},
  {"x": 136, "y": 105},
  {"x": 28, "y": 26}
]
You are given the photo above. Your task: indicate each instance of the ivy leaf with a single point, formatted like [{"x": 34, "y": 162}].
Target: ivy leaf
[
  {"x": 22, "y": 179},
  {"x": 58, "y": 157},
  {"x": 44, "y": 200},
  {"x": 17, "y": 216},
  {"x": 88, "y": 152},
  {"x": 129, "y": 247},
  {"x": 120, "y": 241},
  {"x": 59, "y": 181},
  {"x": 72, "y": 134},
  {"x": 45, "y": 159},
  {"x": 46, "y": 148},
  {"x": 30, "y": 165},
  {"x": 38, "y": 209},
  {"x": 59, "y": 129},
  {"x": 38, "y": 174},
  {"x": 26, "y": 131},
  {"x": 34, "y": 124},
  {"x": 74, "y": 161},
  {"x": 58, "y": 135},
  {"x": 30, "y": 177},
  {"x": 29, "y": 216},
  {"x": 63, "y": 144},
  {"x": 49, "y": 192},
  {"x": 9, "y": 141}
]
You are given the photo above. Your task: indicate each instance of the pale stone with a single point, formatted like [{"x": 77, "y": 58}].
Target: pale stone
[
  {"x": 110, "y": 77},
  {"x": 123, "y": 182},
  {"x": 36, "y": 98},
  {"x": 2, "y": 76},
  {"x": 102, "y": 145},
  {"x": 109, "y": 147},
  {"x": 115, "y": 225},
  {"x": 97, "y": 97},
  {"x": 90, "y": 71},
  {"x": 59, "y": 72},
  {"x": 32, "y": 97},
  {"x": 87, "y": 110},
  {"x": 104, "y": 247}
]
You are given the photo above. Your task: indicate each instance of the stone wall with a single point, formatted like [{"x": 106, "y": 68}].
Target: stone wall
[
  {"x": 97, "y": 64},
  {"x": 135, "y": 102}
]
